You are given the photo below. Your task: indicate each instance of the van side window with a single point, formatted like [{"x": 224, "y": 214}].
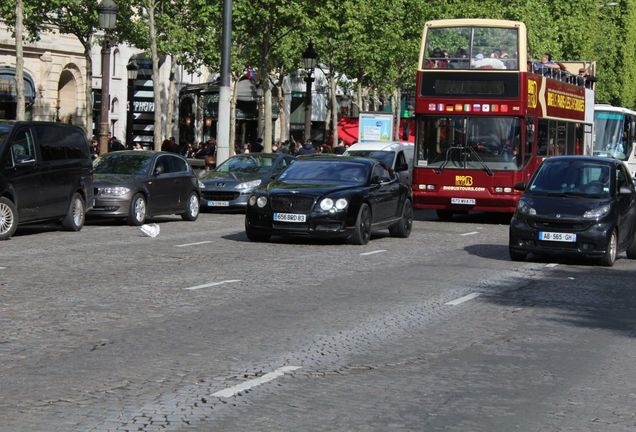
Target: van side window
[{"x": 22, "y": 148}]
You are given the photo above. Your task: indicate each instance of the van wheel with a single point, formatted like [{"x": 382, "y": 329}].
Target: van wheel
[
  {"x": 137, "y": 210},
  {"x": 192, "y": 208},
  {"x": 8, "y": 218},
  {"x": 362, "y": 231},
  {"x": 609, "y": 258},
  {"x": 402, "y": 229},
  {"x": 76, "y": 214}
]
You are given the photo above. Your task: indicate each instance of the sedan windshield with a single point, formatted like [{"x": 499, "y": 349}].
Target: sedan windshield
[
  {"x": 573, "y": 178},
  {"x": 383, "y": 156},
  {"x": 256, "y": 165},
  {"x": 126, "y": 164},
  {"x": 326, "y": 171}
]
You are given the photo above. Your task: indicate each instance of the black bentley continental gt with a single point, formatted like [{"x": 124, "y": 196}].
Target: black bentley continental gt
[{"x": 330, "y": 196}]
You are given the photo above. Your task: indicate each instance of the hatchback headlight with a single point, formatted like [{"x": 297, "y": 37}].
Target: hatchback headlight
[
  {"x": 597, "y": 213},
  {"x": 261, "y": 201},
  {"x": 248, "y": 185},
  {"x": 525, "y": 209},
  {"x": 201, "y": 184},
  {"x": 115, "y": 191}
]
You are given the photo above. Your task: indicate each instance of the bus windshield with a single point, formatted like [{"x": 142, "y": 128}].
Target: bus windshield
[
  {"x": 471, "y": 48},
  {"x": 491, "y": 143},
  {"x": 610, "y": 136}
]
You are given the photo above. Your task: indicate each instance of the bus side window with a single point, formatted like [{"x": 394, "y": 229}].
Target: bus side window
[
  {"x": 527, "y": 153},
  {"x": 542, "y": 138}
]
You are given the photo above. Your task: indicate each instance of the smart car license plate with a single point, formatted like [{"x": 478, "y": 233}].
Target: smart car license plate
[
  {"x": 218, "y": 203},
  {"x": 464, "y": 201},
  {"x": 559, "y": 237},
  {"x": 290, "y": 217}
]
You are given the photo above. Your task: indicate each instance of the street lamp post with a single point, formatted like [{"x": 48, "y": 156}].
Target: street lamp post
[
  {"x": 133, "y": 70},
  {"x": 107, "y": 18},
  {"x": 309, "y": 60}
]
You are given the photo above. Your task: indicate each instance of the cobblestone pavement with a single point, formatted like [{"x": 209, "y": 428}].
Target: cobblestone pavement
[{"x": 101, "y": 331}]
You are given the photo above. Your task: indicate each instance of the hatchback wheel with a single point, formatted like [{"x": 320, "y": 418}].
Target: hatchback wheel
[
  {"x": 362, "y": 231},
  {"x": 76, "y": 214},
  {"x": 192, "y": 208},
  {"x": 403, "y": 228},
  {"x": 137, "y": 211},
  {"x": 612, "y": 248},
  {"x": 8, "y": 218}
]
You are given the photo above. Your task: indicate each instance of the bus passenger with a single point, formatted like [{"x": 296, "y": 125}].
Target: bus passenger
[{"x": 437, "y": 60}]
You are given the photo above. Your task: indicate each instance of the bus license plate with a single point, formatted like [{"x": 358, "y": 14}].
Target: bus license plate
[
  {"x": 218, "y": 203},
  {"x": 290, "y": 217},
  {"x": 558, "y": 237},
  {"x": 463, "y": 201}
]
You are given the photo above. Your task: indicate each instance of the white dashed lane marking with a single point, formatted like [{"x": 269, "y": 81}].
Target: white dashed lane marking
[
  {"x": 193, "y": 244},
  {"x": 373, "y": 252},
  {"x": 551, "y": 265},
  {"x": 231, "y": 391},
  {"x": 3, "y": 268},
  {"x": 470, "y": 233},
  {"x": 208, "y": 285},
  {"x": 463, "y": 299}
]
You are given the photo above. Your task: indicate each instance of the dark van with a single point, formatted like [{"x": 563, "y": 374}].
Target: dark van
[{"x": 46, "y": 173}]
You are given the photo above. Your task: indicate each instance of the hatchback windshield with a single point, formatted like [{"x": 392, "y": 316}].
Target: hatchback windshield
[
  {"x": 573, "y": 177},
  {"x": 383, "y": 156},
  {"x": 257, "y": 165},
  {"x": 325, "y": 171},
  {"x": 125, "y": 164}
]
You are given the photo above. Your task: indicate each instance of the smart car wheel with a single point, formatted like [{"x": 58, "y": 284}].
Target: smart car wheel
[
  {"x": 610, "y": 254},
  {"x": 402, "y": 229},
  {"x": 362, "y": 231},
  {"x": 137, "y": 211},
  {"x": 74, "y": 219},
  {"x": 515, "y": 255},
  {"x": 192, "y": 208},
  {"x": 8, "y": 218}
]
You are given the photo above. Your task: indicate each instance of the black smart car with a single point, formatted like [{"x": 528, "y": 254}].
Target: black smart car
[
  {"x": 330, "y": 196},
  {"x": 576, "y": 205}
]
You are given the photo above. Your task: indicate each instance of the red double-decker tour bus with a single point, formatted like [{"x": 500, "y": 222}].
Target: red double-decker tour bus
[{"x": 486, "y": 116}]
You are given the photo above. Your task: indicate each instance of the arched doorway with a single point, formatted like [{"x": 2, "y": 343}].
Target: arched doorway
[
  {"x": 66, "y": 97},
  {"x": 8, "y": 93}
]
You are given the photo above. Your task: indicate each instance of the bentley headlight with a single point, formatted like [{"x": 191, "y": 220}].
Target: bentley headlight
[
  {"x": 261, "y": 201},
  {"x": 597, "y": 213},
  {"x": 248, "y": 185},
  {"x": 252, "y": 200},
  {"x": 326, "y": 204},
  {"x": 342, "y": 204},
  {"x": 115, "y": 191},
  {"x": 524, "y": 208}
]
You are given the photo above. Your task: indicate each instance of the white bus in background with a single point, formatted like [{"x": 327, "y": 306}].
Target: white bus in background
[{"x": 615, "y": 134}]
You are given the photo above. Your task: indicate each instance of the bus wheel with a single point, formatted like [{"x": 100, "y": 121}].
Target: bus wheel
[{"x": 444, "y": 215}]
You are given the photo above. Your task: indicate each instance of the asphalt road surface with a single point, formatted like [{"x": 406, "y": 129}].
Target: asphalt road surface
[{"x": 201, "y": 330}]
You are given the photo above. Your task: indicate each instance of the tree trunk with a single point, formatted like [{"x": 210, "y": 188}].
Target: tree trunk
[
  {"x": 397, "y": 113},
  {"x": 19, "y": 60},
  {"x": 171, "y": 97},
  {"x": 282, "y": 112},
  {"x": 156, "y": 85},
  {"x": 334, "y": 111},
  {"x": 88, "y": 88},
  {"x": 267, "y": 129},
  {"x": 234, "y": 86}
]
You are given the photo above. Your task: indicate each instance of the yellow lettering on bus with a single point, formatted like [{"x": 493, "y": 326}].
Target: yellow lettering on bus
[
  {"x": 532, "y": 94},
  {"x": 463, "y": 181}
]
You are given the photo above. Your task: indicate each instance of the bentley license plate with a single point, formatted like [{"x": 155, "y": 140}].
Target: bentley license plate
[
  {"x": 290, "y": 217},
  {"x": 464, "y": 201},
  {"x": 559, "y": 237}
]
